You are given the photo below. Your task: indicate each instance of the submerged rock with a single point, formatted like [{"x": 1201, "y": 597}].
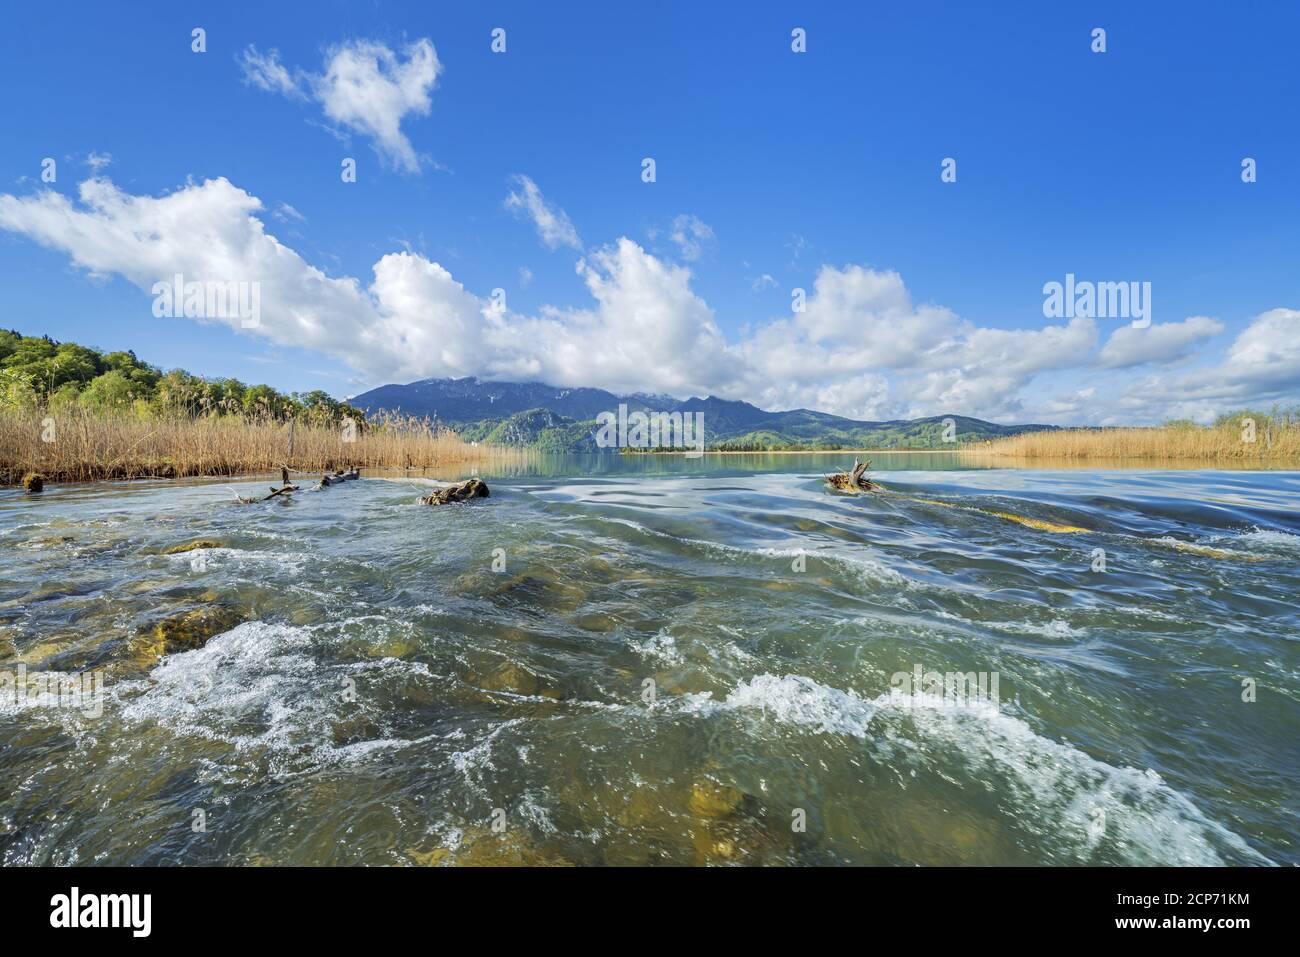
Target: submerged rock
[
  {"x": 437, "y": 857},
  {"x": 513, "y": 678},
  {"x": 926, "y": 833},
  {"x": 47, "y": 541},
  {"x": 185, "y": 631},
  {"x": 742, "y": 840},
  {"x": 714, "y": 846},
  {"x": 539, "y": 590},
  {"x": 509, "y": 676},
  {"x": 389, "y": 647},
  {"x": 481, "y": 847},
  {"x": 353, "y": 730},
  {"x": 596, "y": 621},
  {"x": 192, "y": 546},
  {"x": 469, "y": 489},
  {"x": 712, "y": 799}
]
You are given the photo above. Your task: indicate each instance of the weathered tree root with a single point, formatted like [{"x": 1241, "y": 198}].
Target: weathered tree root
[
  {"x": 286, "y": 486},
  {"x": 853, "y": 481},
  {"x": 339, "y": 476},
  {"x": 326, "y": 479},
  {"x": 471, "y": 488}
]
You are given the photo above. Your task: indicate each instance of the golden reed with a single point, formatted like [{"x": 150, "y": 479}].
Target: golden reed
[
  {"x": 80, "y": 446},
  {"x": 1269, "y": 440}
]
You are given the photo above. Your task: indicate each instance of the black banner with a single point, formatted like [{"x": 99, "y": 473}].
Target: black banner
[{"x": 335, "y": 906}]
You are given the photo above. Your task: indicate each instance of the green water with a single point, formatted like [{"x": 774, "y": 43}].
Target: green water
[{"x": 655, "y": 659}]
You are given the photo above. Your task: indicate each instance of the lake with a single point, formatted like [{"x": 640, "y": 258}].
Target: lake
[{"x": 654, "y": 659}]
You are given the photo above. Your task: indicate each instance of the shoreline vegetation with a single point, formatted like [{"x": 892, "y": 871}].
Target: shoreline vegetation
[
  {"x": 85, "y": 447},
  {"x": 794, "y": 450},
  {"x": 69, "y": 413},
  {"x": 1236, "y": 437}
]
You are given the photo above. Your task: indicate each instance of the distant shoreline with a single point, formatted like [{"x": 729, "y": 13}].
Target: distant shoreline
[{"x": 803, "y": 452}]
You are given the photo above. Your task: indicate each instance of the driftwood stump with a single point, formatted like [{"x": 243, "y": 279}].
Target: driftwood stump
[
  {"x": 286, "y": 486},
  {"x": 853, "y": 480},
  {"x": 472, "y": 488}
]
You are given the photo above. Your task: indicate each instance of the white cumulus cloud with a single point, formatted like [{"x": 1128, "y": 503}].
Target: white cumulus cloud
[
  {"x": 364, "y": 87},
  {"x": 1163, "y": 342},
  {"x": 862, "y": 347}
]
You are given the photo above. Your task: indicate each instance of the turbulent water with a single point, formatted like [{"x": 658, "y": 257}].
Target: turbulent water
[{"x": 660, "y": 660}]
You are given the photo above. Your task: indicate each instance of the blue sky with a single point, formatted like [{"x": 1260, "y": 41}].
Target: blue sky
[{"x": 775, "y": 170}]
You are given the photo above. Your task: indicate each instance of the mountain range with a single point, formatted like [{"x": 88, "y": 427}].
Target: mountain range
[{"x": 559, "y": 419}]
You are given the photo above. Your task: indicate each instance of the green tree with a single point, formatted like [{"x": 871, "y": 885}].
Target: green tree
[
  {"x": 66, "y": 397},
  {"x": 9, "y": 340},
  {"x": 17, "y": 390},
  {"x": 109, "y": 392},
  {"x": 262, "y": 401}
]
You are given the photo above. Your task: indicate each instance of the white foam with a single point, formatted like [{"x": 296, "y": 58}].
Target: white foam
[
  {"x": 1257, "y": 543},
  {"x": 1056, "y": 628},
  {"x": 1057, "y": 790},
  {"x": 794, "y": 699},
  {"x": 1270, "y": 540},
  {"x": 257, "y": 688},
  {"x": 661, "y": 647},
  {"x": 473, "y": 762},
  {"x": 292, "y": 563}
]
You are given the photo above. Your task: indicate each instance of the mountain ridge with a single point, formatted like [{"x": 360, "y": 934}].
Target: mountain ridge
[{"x": 562, "y": 418}]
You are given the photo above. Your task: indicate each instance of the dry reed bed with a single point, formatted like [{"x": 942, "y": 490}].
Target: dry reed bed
[
  {"x": 1272, "y": 443},
  {"x": 85, "y": 447}
]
